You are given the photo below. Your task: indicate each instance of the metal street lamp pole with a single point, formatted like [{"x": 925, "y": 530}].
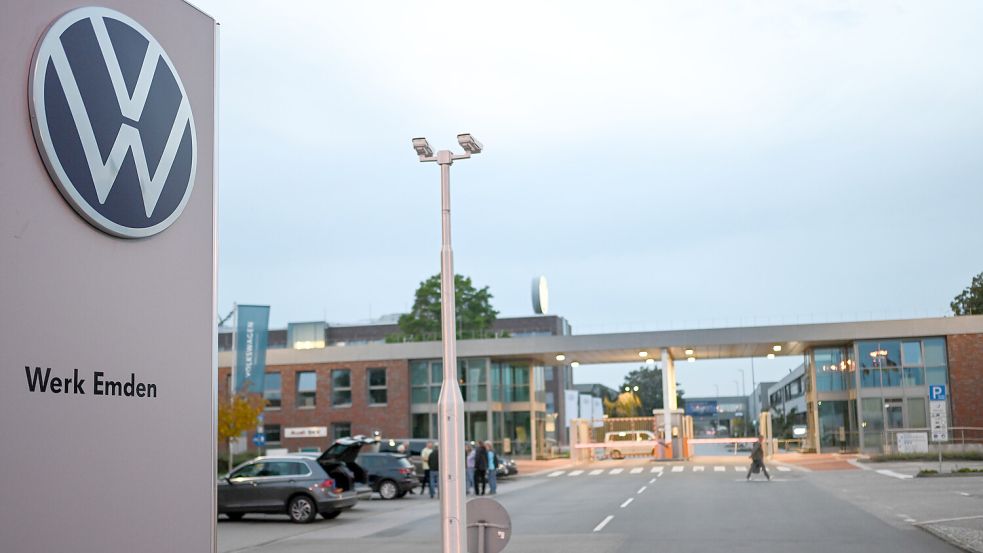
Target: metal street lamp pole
[
  {"x": 743, "y": 390},
  {"x": 450, "y": 405}
]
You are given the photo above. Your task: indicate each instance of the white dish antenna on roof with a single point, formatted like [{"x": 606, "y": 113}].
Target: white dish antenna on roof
[{"x": 540, "y": 295}]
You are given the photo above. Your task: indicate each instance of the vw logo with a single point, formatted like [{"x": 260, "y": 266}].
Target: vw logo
[{"x": 112, "y": 122}]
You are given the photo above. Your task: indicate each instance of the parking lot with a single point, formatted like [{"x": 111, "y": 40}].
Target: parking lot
[{"x": 631, "y": 504}]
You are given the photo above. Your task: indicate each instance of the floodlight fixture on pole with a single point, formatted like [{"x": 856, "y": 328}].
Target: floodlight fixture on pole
[{"x": 450, "y": 404}]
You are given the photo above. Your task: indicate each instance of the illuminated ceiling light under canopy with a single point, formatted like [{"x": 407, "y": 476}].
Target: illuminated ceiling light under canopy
[
  {"x": 650, "y": 361},
  {"x": 643, "y": 354},
  {"x": 691, "y": 359},
  {"x": 689, "y": 351},
  {"x": 776, "y": 348},
  {"x": 575, "y": 364},
  {"x": 771, "y": 356},
  {"x": 561, "y": 357}
]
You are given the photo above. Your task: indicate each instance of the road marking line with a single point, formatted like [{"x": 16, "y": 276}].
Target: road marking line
[
  {"x": 642, "y": 489},
  {"x": 555, "y": 473},
  {"x": 893, "y": 474},
  {"x": 738, "y": 469},
  {"x": 616, "y": 471},
  {"x": 655, "y": 470},
  {"x": 963, "y": 494},
  {"x": 719, "y": 469},
  {"x": 784, "y": 469},
  {"x": 698, "y": 469},
  {"x": 627, "y": 501},
  {"x": 636, "y": 470},
  {"x": 652, "y": 481},
  {"x": 603, "y": 523},
  {"x": 595, "y": 472},
  {"x": 678, "y": 469},
  {"x": 575, "y": 473}
]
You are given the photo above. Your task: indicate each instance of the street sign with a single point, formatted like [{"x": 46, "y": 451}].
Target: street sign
[
  {"x": 936, "y": 392},
  {"x": 489, "y": 526},
  {"x": 259, "y": 439},
  {"x": 938, "y": 421},
  {"x": 912, "y": 442}
]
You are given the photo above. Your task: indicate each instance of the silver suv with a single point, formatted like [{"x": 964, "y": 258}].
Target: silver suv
[{"x": 297, "y": 486}]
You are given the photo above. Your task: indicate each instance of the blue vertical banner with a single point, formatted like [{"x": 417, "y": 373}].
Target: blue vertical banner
[{"x": 252, "y": 325}]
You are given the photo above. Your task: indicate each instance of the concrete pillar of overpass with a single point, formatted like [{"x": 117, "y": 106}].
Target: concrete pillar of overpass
[{"x": 668, "y": 398}]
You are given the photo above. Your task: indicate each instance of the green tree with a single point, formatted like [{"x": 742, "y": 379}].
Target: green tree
[
  {"x": 649, "y": 382},
  {"x": 475, "y": 313},
  {"x": 970, "y": 300},
  {"x": 237, "y": 416},
  {"x": 626, "y": 405}
]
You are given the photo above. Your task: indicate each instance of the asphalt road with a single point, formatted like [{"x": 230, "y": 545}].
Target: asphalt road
[{"x": 698, "y": 507}]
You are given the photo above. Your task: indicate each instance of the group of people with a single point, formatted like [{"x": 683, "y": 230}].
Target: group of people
[{"x": 481, "y": 462}]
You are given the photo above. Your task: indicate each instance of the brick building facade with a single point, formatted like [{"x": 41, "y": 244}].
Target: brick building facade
[
  {"x": 966, "y": 379},
  {"x": 358, "y": 416}
]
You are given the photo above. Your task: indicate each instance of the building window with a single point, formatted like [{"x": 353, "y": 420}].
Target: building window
[
  {"x": 341, "y": 429},
  {"x": 421, "y": 425},
  {"x": 341, "y": 387},
  {"x": 376, "y": 380},
  {"x": 306, "y": 389},
  {"x": 271, "y": 390},
  {"x": 272, "y": 432}
]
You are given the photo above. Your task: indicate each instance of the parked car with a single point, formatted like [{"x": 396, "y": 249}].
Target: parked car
[
  {"x": 341, "y": 456},
  {"x": 406, "y": 446},
  {"x": 619, "y": 444},
  {"x": 300, "y": 487},
  {"x": 391, "y": 475},
  {"x": 506, "y": 467},
  {"x": 362, "y": 489}
]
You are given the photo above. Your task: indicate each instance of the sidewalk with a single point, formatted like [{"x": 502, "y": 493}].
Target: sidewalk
[
  {"x": 966, "y": 532},
  {"x": 529, "y": 468},
  {"x": 818, "y": 461}
]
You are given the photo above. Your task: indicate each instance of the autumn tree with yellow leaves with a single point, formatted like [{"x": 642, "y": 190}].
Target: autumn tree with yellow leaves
[{"x": 237, "y": 416}]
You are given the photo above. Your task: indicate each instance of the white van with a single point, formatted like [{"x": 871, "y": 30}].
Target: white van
[{"x": 626, "y": 442}]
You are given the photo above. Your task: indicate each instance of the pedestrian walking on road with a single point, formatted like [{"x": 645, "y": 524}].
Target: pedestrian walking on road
[
  {"x": 758, "y": 460},
  {"x": 492, "y": 468},
  {"x": 469, "y": 465},
  {"x": 434, "y": 462},
  {"x": 425, "y": 461},
  {"x": 480, "y": 469}
]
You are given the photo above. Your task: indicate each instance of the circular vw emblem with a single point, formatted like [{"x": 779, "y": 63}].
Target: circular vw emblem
[{"x": 113, "y": 123}]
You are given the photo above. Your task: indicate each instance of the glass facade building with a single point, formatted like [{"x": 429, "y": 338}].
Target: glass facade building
[
  {"x": 863, "y": 393},
  {"x": 504, "y": 401}
]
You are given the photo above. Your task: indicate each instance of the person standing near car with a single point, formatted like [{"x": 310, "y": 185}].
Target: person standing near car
[
  {"x": 758, "y": 460},
  {"x": 425, "y": 462},
  {"x": 469, "y": 465},
  {"x": 480, "y": 469},
  {"x": 492, "y": 468},
  {"x": 434, "y": 462}
]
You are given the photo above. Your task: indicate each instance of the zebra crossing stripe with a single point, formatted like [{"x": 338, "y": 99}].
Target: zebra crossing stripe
[
  {"x": 636, "y": 470},
  {"x": 719, "y": 468},
  {"x": 656, "y": 469},
  {"x": 784, "y": 469},
  {"x": 698, "y": 468},
  {"x": 576, "y": 473},
  {"x": 556, "y": 473},
  {"x": 738, "y": 469},
  {"x": 616, "y": 471},
  {"x": 595, "y": 472},
  {"x": 677, "y": 468}
]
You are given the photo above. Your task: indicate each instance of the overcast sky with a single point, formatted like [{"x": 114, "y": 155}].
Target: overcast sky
[{"x": 663, "y": 164}]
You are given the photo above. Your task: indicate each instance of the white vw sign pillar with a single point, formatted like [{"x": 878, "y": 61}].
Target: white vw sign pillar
[{"x": 107, "y": 276}]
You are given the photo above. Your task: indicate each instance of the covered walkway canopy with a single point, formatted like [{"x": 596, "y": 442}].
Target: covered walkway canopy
[{"x": 712, "y": 343}]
